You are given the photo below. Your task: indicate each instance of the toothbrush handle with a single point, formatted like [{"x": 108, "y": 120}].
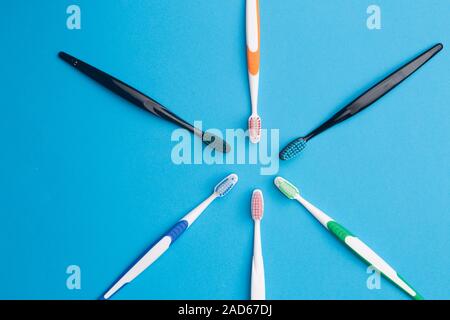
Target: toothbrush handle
[
  {"x": 258, "y": 287},
  {"x": 161, "y": 246},
  {"x": 124, "y": 90},
  {"x": 253, "y": 49},
  {"x": 378, "y": 90},
  {"x": 169, "y": 238},
  {"x": 149, "y": 257},
  {"x": 141, "y": 100},
  {"x": 198, "y": 210},
  {"x": 369, "y": 256}
]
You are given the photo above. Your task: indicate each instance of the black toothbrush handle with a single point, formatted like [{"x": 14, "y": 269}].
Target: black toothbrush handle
[
  {"x": 377, "y": 91},
  {"x": 141, "y": 100}
]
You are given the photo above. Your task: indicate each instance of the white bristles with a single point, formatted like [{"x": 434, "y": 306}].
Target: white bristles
[
  {"x": 224, "y": 186},
  {"x": 254, "y": 128}
]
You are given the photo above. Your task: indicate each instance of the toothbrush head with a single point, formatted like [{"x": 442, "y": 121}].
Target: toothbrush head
[
  {"x": 293, "y": 149},
  {"x": 257, "y": 207},
  {"x": 287, "y": 188},
  {"x": 254, "y": 128},
  {"x": 215, "y": 142},
  {"x": 224, "y": 186}
]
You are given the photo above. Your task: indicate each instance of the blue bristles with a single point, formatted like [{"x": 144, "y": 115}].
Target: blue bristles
[{"x": 293, "y": 149}]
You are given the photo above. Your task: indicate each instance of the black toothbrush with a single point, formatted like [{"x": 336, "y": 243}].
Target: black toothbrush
[
  {"x": 141, "y": 100},
  {"x": 363, "y": 101}
]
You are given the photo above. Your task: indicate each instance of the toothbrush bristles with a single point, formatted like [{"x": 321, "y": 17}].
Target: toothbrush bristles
[
  {"x": 257, "y": 207},
  {"x": 293, "y": 149},
  {"x": 215, "y": 142},
  {"x": 254, "y": 128},
  {"x": 287, "y": 188},
  {"x": 224, "y": 186}
]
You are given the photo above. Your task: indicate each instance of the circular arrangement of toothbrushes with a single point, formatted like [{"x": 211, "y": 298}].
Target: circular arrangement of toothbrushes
[{"x": 290, "y": 151}]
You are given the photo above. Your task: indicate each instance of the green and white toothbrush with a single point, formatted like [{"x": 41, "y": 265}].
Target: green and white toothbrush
[{"x": 346, "y": 237}]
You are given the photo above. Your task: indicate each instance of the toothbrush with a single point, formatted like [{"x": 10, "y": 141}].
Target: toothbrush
[
  {"x": 221, "y": 189},
  {"x": 141, "y": 100},
  {"x": 253, "y": 47},
  {"x": 362, "y": 102},
  {"x": 356, "y": 245},
  {"x": 258, "y": 283}
]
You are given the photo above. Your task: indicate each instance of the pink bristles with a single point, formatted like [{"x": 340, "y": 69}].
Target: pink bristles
[
  {"x": 257, "y": 205},
  {"x": 254, "y": 126}
]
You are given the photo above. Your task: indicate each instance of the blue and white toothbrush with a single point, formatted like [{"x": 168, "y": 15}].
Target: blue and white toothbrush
[{"x": 169, "y": 238}]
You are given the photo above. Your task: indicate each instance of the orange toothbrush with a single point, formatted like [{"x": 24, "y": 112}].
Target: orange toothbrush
[{"x": 253, "y": 46}]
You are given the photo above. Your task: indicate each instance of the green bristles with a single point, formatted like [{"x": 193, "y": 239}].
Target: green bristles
[{"x": 287, "y": 188}]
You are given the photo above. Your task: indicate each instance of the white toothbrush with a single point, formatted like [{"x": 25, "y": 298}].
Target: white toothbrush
[
  {"x": 253, "y": 58},
  {"x": 347, "y": 238},
  {"x": 169, "y": 238},
  {"x": 258, "y": 290}
]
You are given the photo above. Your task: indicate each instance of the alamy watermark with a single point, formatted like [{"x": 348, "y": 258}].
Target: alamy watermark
[
  {"x": 190, "y": 150},
  {"x": 73, "y": 281},
  {"x": 374, "y": 280},
  {"x": 73, "y": 21},
  {"x": 373, "y": 22}
]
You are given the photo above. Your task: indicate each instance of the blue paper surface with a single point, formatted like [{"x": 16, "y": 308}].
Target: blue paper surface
[{"x": 87, "y": 179}]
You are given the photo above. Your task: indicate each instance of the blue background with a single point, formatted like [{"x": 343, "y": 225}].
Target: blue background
[{"x": 87, "y": 179}]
